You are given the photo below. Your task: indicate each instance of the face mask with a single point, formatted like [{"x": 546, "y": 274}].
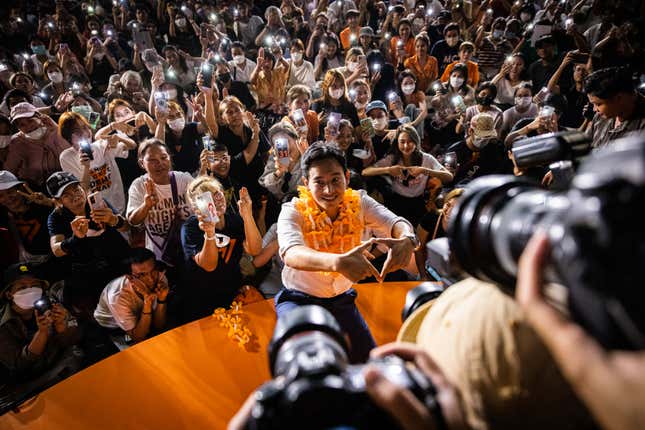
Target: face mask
[
  {"x": 171, "y": 94},
  {"x": 456, "y": 82},
  {"x": 4, "y": 141},
  {"x": 418, "y": 23},
  {"x": 37, "y": 133},
  {"x": 296, "y": 56},
  {"x": 525, "y": 16},
  {"x": 352, "y": 66},
  {"x": 480, "y": 143},
  {"x": 407, "y": 89},
  {"x": 55, "y": 77},
  {"x": 510, "y": 35},
  {"x": 180, "y": 22},
  {"x": 359, "y": 105},
  {"x": 336, "y": 94},
  {"x": 523, "y": 101},
  {"x": 39, "y": 50},
  {"x": 379, "y": 123},
  {"x": 485, "y": 101},
  {"x": 99, "y": 57},
  {"x": 452, "y": 41},
  {"x": 497, "y": 34},
  {"x": 224, "y": 77},
  {"x": 239, "y": 59},
  {"x": 26, "y": 298},
  {"x": 177, "y": 124}
]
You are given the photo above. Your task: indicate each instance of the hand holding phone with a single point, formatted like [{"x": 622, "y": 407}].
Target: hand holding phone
[
  {"x": 281, "y": 145},
  {"x": 333, "y": 122},
  {"x": 206, "y": 207}
]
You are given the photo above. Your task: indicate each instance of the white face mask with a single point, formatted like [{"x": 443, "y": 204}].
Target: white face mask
[
  {"x": 480, "y": 143},
  {"x": 296, "y": 56},
  {"x": 452, "y": 41},
  {"x": 525, "y": 16},
  {"x": 407, "y": 89},
  {"x": 171, "y": 94},
  {"x": 180, "y": 22},
  {"x": 379, "y": 123},
  {"x": 456, "y": 82},
  {"x": 523, "y": 101},
  {"x": 239, "y": 59},
  {"x": 4, "y": 141},
  {"x": 37, "y": 133},
  {"x": 177, "y": 124},
  {"x": 26, "y": 298},
  {"x": 99, "y": 57},
  {"x": 336, "y": 93},
  {"x": 352, "y": 66},
  {"x": 55, "y": 77},
  {"x": 359, "y": 105}
]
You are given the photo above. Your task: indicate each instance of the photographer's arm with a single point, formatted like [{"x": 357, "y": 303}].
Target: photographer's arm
[{"x": 610, "y": 383}]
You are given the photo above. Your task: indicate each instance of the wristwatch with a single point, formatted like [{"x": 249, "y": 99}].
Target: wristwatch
[{"x": 416, "y": 243}]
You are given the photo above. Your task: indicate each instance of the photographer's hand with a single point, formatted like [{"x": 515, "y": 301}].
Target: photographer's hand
[{"x": 610, "y": 383}]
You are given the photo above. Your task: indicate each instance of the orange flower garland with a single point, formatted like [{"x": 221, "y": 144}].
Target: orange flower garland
[{"x": 325, "y": 235}]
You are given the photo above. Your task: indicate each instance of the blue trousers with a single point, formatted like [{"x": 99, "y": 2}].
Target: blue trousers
[{"x": 343, "y": 308}]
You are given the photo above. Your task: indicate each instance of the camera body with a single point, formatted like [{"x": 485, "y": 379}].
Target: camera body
[{"x": 314, "y": 387}]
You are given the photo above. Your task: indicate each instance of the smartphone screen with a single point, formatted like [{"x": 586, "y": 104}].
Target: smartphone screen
[
  {"x": 96, "y": 201},
  {"x": 207, "y": 74},
  {"x": 161, "y": 101},
  {"x": 86, "y": 147},
  {"x": 281, "y": 145},
  {"x": 367, "y": 126},
  {"x": 333, "y": 121},
  {"x": 206, "y": 207}
]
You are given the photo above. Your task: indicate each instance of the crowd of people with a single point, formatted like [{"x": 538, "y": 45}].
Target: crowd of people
[{"x": 156, "y": 156}]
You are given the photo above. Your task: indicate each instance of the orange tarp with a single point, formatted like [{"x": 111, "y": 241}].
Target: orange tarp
[{"x": 192, "y": 377}]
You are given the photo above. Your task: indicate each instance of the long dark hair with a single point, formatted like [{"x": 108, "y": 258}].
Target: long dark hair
[{"x": 417, "y": 157}]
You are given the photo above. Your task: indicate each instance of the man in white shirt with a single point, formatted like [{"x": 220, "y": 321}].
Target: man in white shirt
[
  {"x": 325, "y": 236},
  {"x": 241, "y": 67}
]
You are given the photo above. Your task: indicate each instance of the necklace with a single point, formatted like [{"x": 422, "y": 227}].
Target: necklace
[{"x": 325, "y": 235}]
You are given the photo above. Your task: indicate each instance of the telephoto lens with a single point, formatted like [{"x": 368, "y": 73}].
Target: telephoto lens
[
  {"x": 315, "y": 387},
  {"x": 595, "y": 229}
]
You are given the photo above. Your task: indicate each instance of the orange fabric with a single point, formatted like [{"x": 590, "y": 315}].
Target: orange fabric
[
  {"x": 473, "y": 73},
  {"x": 271, "y": 90},
  {"x": 408, "y": 47},
  {"x": 344, "y": 37},
  {"x": 313, "y": 124},
  {"x": 191, "y": 377},
  {"x": 425, "y": 74}
]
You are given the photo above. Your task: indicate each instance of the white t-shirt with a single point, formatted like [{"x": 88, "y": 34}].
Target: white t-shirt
[
  {"x": 511, "y": 116},
  {"x": 160, "y": 217},
  {"x": 415, "y": 185},
  {"x": 506, "y": 91},
  {"x": 104, "y": 173},
  {"x": 242, "y": 74},
  {"x": 119, "y": 306},
  {"x": 301, "y": 75},
  {"x": 377, "y": 221}
]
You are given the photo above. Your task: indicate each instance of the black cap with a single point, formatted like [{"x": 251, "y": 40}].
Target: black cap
[
  {"x": 18, "y": 271},
  {"x": 545, "y": 38},
  {"x": 58, "y": 181},
  {"x": 445, "y": 14}
]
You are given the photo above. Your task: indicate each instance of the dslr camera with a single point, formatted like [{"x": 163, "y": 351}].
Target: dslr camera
[
  {"x": 595, "y": 229},
  {"x": 315, "y": 387}
]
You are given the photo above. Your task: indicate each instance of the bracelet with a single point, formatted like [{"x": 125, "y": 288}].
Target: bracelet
[
  {"x": 161, "y": 302},
  {"x": 146, "y": 313},
  {"x": 209, "y": 238}
]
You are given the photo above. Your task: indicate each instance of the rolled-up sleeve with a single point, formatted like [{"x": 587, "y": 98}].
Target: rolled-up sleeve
[{"x": 289, "y": 228}]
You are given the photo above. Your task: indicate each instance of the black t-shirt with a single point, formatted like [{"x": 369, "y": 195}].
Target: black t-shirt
[
  {"x": 345, "y": 108},
  {"x": 540, "y": 74},
  {"x": 381, "y": 146},
  {"x": 444, "y": 53},
  {"x": 129, "y": 167},
  {"x": 100, "y": 76},
  {"x": 185, "y": 150},
  {"x": 576, "y": 101},
  {"x": 31, "y": 226},
  {"x": 241, "y": 91},
  {"x": 206, "y": 291}
]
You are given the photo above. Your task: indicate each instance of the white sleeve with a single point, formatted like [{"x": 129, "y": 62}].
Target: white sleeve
[
  {"x": 69, "y": 163},
  {"x": 378, "y": 218},
  {"x": 430, "y": 162},
  {"x": 136, "y": 195},
  {"x": 384, "y": 162},
  {"x": 289, "y": 228}
]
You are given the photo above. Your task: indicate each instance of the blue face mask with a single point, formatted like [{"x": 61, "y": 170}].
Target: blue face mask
[
  {"x": 497, "y": 34},
  {"x": 39, "y": 50},
  {"x": 510, "y": 35}
]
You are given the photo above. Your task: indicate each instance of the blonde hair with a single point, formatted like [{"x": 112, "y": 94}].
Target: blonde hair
[
  {"x": 202, "y": 184},
  {"x": 330, "y": 77}
]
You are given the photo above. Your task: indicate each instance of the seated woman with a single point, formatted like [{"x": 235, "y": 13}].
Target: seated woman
[
  {"x": 354, "y": 67},
  {"x": 301, "y": 71},
  {"x": 512, "y": 74},
  {"x": 93, "y": 161},
  {"x": 359, "y": 155},
  {"x": 298, "y": 102},
  {"x": 329, "y": 56},
  {"x": 213, "y": 246},
  {"x": 334, "y": 99},
  {"x": 410, "y": 170},
  {"x": 269, "y": 80},
  {"x": 85, "y": 236},
  {"x": 423, "y": 65},
  {"x": 486, "y": 93},
  {"x": 412, "y": 102},
  {"x": 360, "y": 94},
  {"x": 282, "y": 172}
]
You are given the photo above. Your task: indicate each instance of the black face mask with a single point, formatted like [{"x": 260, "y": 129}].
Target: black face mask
[
  {"x": 224, "y": 77},
  {"x": 485, "y": 101}
]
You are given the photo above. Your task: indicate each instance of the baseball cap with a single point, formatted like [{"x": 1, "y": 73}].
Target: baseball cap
[
  {"x": 545, "y": 38},
  {"x": 483, "y": 125},
  {"x": 375, "y": 104},
  {"x": 8, "y": 180},
  {"x": 58, "y": 181},
  {"x": 18, "y": 271},
  {"x": 352, "y": 12},
  {"x": 366, "y": 31},
  {"x": 22, "y": 110}
]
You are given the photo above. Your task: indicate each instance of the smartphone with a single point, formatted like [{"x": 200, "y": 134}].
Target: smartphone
[
  {"x": 142, "y": 39},
  {"x": 394, "y": 98},
  {"x": 96, "y": 201},
  {"x": 208, "y": 145},
  {"x": 207, "y": 74},
  {"x": 541, "y": 95},
  {"x": 362, "y": 60},
  {"x": 281, "y": 145},
  {"x": 86, "y": 147},
  {"x": 333, "y": 121},
  {"x": 450, "y": 160},
  {"x": 299, "y": 119},
  {"x": 62, "y": 47},
  {"x": 206, "y": 207},
  {"x": 580, "y": 57},
  {"x": 458, "y": 103},
  {"x": 43, "y": 304},
  {"x": 161, "y": 100},
  {"x": 546, "y": 111},
  {"x": 367, "y": 126}
]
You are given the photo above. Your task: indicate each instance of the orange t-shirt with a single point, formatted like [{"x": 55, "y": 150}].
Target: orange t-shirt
[
  {"x": 408, "y": 47},
  {"x": 425, "y": 74},
  {"x": 473, "y": 73},
  {"x": 345, "y": 39},
  {"x": 313, "y": 124}
]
